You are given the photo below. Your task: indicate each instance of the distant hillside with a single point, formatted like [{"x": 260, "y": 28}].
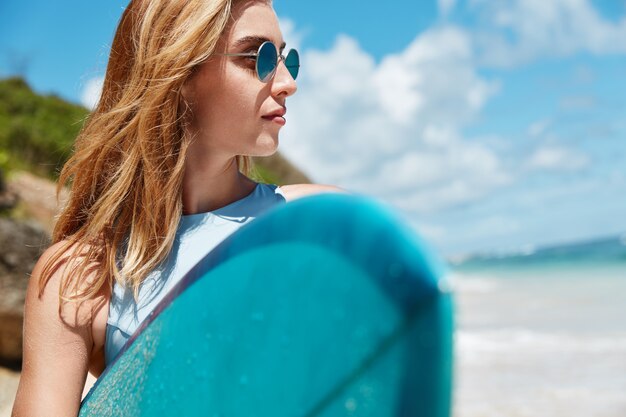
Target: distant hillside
[
  {"x": 608, "y": 249},
  {"x": 37, "y": 133}
]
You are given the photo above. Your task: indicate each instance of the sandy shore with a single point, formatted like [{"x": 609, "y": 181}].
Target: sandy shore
[{"x": 8, "y": 387}]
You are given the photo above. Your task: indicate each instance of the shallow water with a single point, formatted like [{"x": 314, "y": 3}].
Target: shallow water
[{"x": 546, "y": 340}]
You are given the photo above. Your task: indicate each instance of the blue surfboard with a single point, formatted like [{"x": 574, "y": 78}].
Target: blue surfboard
[{"x": 326, "y": 306}]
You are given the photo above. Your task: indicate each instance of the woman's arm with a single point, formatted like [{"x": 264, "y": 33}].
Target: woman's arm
[{"x": 56, "y": 349}]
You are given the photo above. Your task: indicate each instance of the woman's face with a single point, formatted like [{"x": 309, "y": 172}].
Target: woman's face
[{"x": 229, "y": 103}]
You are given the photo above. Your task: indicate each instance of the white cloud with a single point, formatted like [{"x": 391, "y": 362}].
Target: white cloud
[
  {"x": 538, "y": 128},
  {"x": 557, "y": 158},
  {"x": 91, "y": 92},
  {"x": 578, "y": 102},
  {"x": 431, "y": 232},
  {"x": 446, "y": 6},
  {"x": 391, "y": 130},
  {"x": 398, "y": 90},
  {"x": 515, "y": 32}
]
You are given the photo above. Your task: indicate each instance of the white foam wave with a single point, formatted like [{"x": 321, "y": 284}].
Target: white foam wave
[
  {"x": 528, "y": 341},
  {"x": 472, "y": 284}
]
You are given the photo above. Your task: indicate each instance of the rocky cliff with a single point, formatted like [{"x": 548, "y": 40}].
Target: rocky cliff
[{"x": 21, "y": 243}]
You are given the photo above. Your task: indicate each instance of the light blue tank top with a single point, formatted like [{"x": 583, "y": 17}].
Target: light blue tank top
[{"x": 197, "y": 235}]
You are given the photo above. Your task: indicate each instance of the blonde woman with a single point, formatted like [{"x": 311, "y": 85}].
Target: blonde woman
[{"x": 159, "y": 176}]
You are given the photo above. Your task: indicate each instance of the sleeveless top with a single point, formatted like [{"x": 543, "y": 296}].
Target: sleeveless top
[{"x": 197, "y": 235}]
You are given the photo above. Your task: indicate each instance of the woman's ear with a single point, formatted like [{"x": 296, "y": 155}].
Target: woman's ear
[
  {"x": 186, "y": 97},
  {"x": 186, "y": 91}
]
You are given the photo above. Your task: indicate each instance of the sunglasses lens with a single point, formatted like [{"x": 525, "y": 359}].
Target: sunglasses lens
[
  {"x": 292, "y": 62},
  {"x": 266, "y": 61}
]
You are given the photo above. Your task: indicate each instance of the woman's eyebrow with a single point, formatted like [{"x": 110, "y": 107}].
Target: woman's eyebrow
[{"x": 254, "y": 40}]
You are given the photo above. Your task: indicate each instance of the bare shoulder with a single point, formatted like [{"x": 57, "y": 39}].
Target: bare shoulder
[
  {"x": 58, "y": 340},
  {"x": 61, "y": 260},
  {"x": 295, "y": 191}
]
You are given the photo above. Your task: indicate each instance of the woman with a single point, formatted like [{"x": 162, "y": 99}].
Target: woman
[{"x": 189, "y": 95}]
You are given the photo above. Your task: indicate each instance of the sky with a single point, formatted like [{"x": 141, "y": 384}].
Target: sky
[{"x": 489, "y": 126}]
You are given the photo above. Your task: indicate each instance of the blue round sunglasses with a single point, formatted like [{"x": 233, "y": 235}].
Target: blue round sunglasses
[{"x": 267, "y": 61}]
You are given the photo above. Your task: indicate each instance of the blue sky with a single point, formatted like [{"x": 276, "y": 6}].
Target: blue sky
[{"x": 492, "y": 126}]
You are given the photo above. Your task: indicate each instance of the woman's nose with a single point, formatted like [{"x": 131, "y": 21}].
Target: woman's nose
[{"x": 283, "y": 83}]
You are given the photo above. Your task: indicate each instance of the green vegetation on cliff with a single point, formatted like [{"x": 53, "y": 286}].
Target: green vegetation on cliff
[{"x": 37, "y": 133}]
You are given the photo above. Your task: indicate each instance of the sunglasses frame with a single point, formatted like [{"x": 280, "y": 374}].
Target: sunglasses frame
[{"x": 279, "y": 56}]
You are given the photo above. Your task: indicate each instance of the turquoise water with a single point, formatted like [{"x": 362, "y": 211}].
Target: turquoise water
[{"x": 543, "y": 332}]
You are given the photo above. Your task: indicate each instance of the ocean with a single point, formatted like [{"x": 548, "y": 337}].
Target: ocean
[{"x": 542, "y": 333}]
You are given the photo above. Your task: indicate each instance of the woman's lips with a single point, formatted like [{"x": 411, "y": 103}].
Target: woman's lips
[
  {"x": 277, "y": 116},
  {"x": 276, "y": 119}
]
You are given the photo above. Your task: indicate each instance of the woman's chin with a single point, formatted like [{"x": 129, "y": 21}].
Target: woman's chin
[{"x": 266, "y": 146}]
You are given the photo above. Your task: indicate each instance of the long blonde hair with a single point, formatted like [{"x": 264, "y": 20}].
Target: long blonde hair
[{"x": 126, "y": 173}]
